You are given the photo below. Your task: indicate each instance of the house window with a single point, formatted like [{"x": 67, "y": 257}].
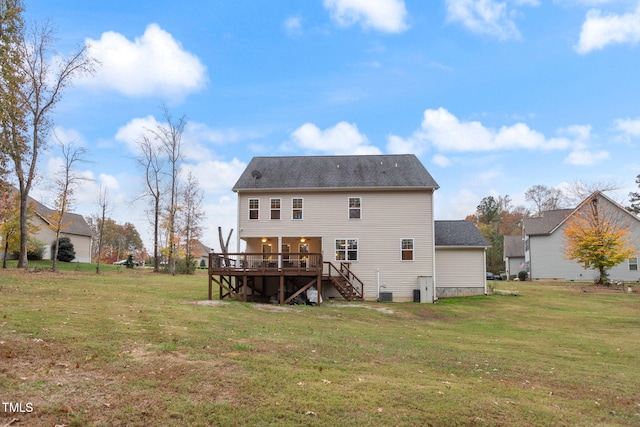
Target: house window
[
  {"x": 355, "y": 207},
  {"x": 296, "y": 208},
  {"x": 633, "y": 264},
  {"x": 285, "y": 252},
  {"x": 407, "y": 249},
  {"x": 346, "y": 249},
  {"x": 254, "y": 208},
  {"x": 275, "y": 208}
]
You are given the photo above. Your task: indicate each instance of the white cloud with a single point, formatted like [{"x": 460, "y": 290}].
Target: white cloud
[
  {"x": 382, "y": 15},
  {"x": 631, "y": 127},
  {"x": 600, "y": 30},
  {"x": 133, "y": 131},
  {"x": 411, "y": 145},
  {"x": 153, "y": 64},
  {"x": 293, "y": 25},
  {"x": 586, "y": 157},
  {"x": 443, "y": 131},
  {"x": 66, "y": 136},
  {"x": 215, "y": 176},
  {"x": 491, "y": 17},
  {"x": 343, "y": 138},
  {"x": 441, "y": 160}
]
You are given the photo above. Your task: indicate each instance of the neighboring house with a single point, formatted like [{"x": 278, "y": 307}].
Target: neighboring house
[
  {"x": 372, "y": 215},
  {"x": 544, "y": 243},
  {"x": 200, "y": 253},
  {"x": 77, "y": 230},
  {"x": 514, "y": 255},
  {"x": 460, "y": 259}
]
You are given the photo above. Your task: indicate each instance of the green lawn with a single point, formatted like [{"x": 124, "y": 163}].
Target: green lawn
[{"x": 132, "y": 348}]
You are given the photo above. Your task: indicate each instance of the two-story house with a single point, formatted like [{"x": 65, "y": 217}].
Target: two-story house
[
  {"x": 543, "y": 243},
  {"x": 365, "y": 217}
]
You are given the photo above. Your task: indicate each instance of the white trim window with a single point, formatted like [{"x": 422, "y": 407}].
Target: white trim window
[
  {"x": 633, "y": 264},
  {"x": 407, "y": 249},
  {"x": 355, "y": 207},
  {"x": 346, "y": 249},
  {"x": 297, "y": 204},
  {"x": 275, "y": 208},
  {"x": 254, "y": 208}
]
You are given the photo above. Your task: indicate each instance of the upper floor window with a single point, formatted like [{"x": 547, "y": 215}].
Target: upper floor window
[
  {"x": 296, "y": 208},
  {"x": 407, "y": 249},
  {"x": 346, "y": 249},
  {"x": 254, "y": 208},
  {"x": 355, "y": 207},
  {"x": 633, "y": 264},
  {"x": 275, "y": 208}
]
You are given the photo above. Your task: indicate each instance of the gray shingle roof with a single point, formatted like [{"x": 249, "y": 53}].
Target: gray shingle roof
[
  {"x": 546, "y": 223},
  {"x": 458, "y": 233},
  {"x": 320, "y": 172},
  {"x": 513, "y": 247},
  {"x": 76, "y": 224}
]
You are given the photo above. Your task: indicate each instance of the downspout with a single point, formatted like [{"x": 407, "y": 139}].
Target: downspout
[
  {"x": 433, "y": 247},
  {"x": 238, "y": 223},
  {"x": 485, "y": 271}
]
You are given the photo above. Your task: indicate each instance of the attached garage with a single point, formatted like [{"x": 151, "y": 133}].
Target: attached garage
[{"x": 460, "y": 259}]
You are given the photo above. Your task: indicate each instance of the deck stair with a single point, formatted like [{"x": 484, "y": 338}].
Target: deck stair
[{"x": 344, "y": 281}]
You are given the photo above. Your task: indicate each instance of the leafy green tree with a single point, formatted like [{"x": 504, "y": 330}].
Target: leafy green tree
[{"x": 634, "y": 198}]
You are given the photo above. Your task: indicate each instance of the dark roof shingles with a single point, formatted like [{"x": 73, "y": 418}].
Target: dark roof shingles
[
  {"x": 458, "y": 233},
  {"x": 318, "y": 172}
]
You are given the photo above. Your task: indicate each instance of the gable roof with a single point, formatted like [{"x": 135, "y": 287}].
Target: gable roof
[
  {"x": 324, "y": 172},
  {"x": 546, "y": 223},
  {"x": 513, "y": 247},
  {"x": 76, "y": 224},
  {"x": 551, "y": 220},
  {"x": 459, "y": 233}
]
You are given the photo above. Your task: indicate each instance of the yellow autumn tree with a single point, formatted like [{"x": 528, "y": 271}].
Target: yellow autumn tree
[{"x": 597, "y": 236}]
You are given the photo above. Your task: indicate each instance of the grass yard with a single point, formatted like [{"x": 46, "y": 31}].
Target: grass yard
[{"x": 133, "y": 348}]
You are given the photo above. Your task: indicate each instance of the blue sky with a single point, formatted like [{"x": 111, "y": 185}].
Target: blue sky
[{"x": 493, "y": 96}]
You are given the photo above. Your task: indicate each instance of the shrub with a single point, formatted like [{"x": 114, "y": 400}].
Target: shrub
[
  {"x": 522, "y": 276},
  {"x": 66, "y": 252},
  {"x": 35, "y": 249},
  {"x": 129, "y": 262}
]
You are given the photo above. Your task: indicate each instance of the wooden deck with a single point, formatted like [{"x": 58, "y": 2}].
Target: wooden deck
[{"x": 279, "y": 277}]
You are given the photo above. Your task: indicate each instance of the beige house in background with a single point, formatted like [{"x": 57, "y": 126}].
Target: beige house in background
[
  {"x": 374, "y": 213},
  {"x": 77, "y": 230}
]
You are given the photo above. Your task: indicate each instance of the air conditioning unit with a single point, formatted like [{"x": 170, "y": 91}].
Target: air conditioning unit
[{"x": 385, "y": 297}]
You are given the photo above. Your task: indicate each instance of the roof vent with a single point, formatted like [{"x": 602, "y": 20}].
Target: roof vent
[{"x": 256, "y": 174}]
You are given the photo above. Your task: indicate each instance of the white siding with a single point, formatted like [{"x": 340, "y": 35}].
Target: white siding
[
  {"x": 387, "y": 217},
  {"x": 461, "y": 271}
]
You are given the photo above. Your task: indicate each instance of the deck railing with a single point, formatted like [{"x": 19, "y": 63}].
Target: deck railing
[{"x": 264, "y": 262}]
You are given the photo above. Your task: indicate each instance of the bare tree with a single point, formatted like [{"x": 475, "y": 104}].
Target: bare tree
[
  {"x": 580, "y": 190},
  {"x": 152, "y": 165},
  {"x": 37, "y": 85},
  {"x": 64, "y": 184},
  {"x": 191, "y": 216},
  {"x": 545, "y": 198},
  {"x": 105, "y": 206},
  {"x": 170, "y": 137}
]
